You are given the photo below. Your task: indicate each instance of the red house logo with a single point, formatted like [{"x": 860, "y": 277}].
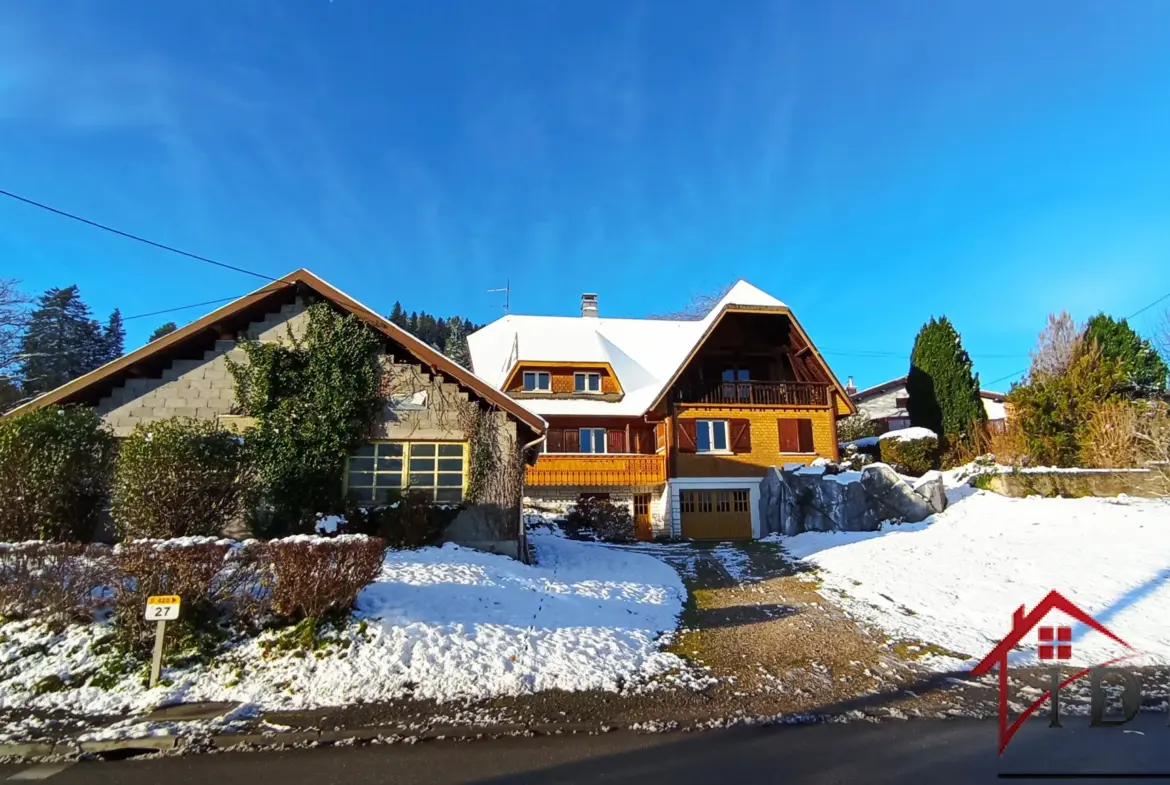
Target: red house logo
[{"x": 1055, "y": 645}]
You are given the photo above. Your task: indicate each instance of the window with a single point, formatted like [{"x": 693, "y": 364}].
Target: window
[
  {"x": 739, "y": 500},
  {"x": 711, "y": 435},
  {"x": 587, "y": 382},
  {"x": 382, "y": 469},
  {"x": 537, "y": 381},
  {"x": 592, "y": 440},
  {"x": 796, "y": 436},
  {"x": 737, "y": 384},
  {"x": 901, "y": 403}
]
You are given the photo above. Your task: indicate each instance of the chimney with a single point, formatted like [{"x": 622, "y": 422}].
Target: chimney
[
  {"x": 850, "y": 387},
  {"x": 589, "y": 305}
]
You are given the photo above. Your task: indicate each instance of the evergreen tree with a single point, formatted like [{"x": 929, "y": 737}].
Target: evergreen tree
[
  {"x": 943, "y": 391},
  {"x": 62, "y": 341},
  {"x": 398, "y": 316},
  {"x": 412, "y": 324},
  {"x": 113, "y": 343},
  {"x": 10, "y": 394},
  {"x": 163, "y": 329},
  {"x": 455, "y": 346},
  {"x": 1145, "y": 370}
]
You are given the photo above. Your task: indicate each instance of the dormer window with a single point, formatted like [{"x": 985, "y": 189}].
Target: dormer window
[
  {"x": 537, "y": 381},
  {"x": 587, "y": 382}
]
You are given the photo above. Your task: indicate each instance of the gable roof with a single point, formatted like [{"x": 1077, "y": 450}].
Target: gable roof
[
  {"x": 647, "y": 355},
  {"x": 238, "y": 313},
  {"x": 1023, "y": 623}
]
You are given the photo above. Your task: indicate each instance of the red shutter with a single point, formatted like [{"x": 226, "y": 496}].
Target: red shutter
[
  {"x": 556, "y": 440},
  {"x": 741, "y": 435},
  {"x": 615, "y": 441},
  {"x": 572, "y": 440},
  {"x": 805, "y": 436},
  {"x": 686, "y": 436},
  {"x": 789, "y": 436}
]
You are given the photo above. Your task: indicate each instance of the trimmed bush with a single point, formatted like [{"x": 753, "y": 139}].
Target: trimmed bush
[
  {"x": 914, "y": 457},
  {"x": 610, "y": 522},
  {"x": 410, "y": 520},
  {"x": 58, "y": 582},
  {"x": 178, "y": 478},
  {"x": 189, "y": 568},
  {"x": 55, "y": 466},
  {"x": 855, "y": 426},
  {"x": 315, "y": 578}
]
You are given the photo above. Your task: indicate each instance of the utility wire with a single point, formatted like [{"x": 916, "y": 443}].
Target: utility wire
[
  {"x": 129, "y": 236},
  {"x": 181, "y": 308}
]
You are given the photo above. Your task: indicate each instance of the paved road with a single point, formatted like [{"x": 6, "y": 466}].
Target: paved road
[{"x": 919, "y": 751}]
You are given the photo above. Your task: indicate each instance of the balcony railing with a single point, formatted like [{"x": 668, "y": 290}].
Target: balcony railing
[
  {"x": 757, "y": 393},
  {"x": 596, "y": 470}
]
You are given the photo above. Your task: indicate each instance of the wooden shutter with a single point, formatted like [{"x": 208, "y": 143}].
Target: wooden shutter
[
  {"x": 741, "y": 435},
  {"x": 686, "y": 436},
  {"x": 572, "y": 440},
  {"x": 615, "y": 441},
  {"x": 556, "y": 440},
  {"x": 789, "y": 436},
  {"x": 805, "y": 435},
  {"x": 659, "y": 435}
]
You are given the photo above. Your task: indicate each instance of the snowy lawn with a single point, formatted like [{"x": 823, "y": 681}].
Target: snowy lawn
[
  {"x": 955, "y": 579},
  {"x": 442, "y": 623}
]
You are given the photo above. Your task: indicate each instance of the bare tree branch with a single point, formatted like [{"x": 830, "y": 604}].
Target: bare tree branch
[
  {"x": 1056, "y": 346},
  {"x": 13, "y": 319},
  {"x": 699, "y": 306}
]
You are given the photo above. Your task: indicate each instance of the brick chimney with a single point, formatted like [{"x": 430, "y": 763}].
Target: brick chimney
[{"x": 589, "y": 305}]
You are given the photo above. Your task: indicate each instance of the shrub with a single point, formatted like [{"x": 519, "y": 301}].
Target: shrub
[
  {"x": 1008, "y": 446},
  {"x": 60, "y": 582},
  {"x": 855, "y": 426},
  {"x": 54, "y": 474},
  {"x": 943, "y": 390},
  {"x": 1111, "y": 438},
  {"x": 1145, "y": 371},
  {"x": 1052, "y": 412},
  {"x": 314, "y": 400},
  {"x": 410, "y": 520},
  {"x": 314, "y": 578},
  {"x": 178, "y": 478},
  {"x": 610, "y": 522},
  {"x": 912, "y": 456},
  {"x": 188, "y": 568}
]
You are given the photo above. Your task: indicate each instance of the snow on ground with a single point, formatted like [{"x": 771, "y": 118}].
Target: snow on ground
[
  {"x": 908, "y": 434},
  {"x": 955, "y": 579},
  {"x": 442, "y": 623}
]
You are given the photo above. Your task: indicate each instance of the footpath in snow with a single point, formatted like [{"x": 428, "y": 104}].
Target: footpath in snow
[
  {"x": 442, "y": 623},
  {"x": 955, "y": 579}
]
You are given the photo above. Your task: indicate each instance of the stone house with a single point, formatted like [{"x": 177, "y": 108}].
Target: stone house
[
  {"x": 419, "y": 441},
  {"x": 886, "y": 404}
]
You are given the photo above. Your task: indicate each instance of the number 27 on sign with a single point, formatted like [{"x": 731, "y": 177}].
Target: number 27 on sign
[{"x": 162, "y": 607}]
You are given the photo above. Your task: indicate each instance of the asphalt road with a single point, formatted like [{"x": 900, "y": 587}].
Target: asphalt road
[{"x": 916, "y": 751}]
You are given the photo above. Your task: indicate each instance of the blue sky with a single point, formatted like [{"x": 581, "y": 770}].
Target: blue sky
[{"x": 869, "y": 163}]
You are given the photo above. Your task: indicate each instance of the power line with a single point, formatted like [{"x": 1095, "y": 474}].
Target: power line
[
  {"x": 129, "y": 236},
  {"x": 181, "y": 308}
]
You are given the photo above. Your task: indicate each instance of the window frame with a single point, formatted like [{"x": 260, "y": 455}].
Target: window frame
[
  {"x": 586, "y": 377},
  {"x": 404, "y": 470},
  {"x": 593, "y": 431},
  {"x": 707, "y": 426},
  {"x": 536, "y": 379}
]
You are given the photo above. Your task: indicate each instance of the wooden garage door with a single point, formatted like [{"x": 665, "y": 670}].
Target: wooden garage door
[{"x": 715, "y": 514}]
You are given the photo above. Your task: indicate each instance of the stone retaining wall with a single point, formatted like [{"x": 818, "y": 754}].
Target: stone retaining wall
[{"x": 1078, "y": 482}]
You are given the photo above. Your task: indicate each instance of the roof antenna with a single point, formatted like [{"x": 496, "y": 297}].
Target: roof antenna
[{"x": 507, "y": 290}]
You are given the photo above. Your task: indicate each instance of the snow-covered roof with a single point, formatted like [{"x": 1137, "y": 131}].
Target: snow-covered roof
[{"x": 644, "y": 353}]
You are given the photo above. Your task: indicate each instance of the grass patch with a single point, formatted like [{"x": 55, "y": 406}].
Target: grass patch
[
  {"x": 51, "y": 683},
  {"x": 307, "y": 635},
  {"x": 916, "y": 650}
]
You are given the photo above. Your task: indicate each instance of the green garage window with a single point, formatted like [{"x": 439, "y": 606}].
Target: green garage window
[{"x": 381, "y": 470}]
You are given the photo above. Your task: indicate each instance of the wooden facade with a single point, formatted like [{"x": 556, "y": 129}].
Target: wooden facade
[{"x": 593, "y": 471}]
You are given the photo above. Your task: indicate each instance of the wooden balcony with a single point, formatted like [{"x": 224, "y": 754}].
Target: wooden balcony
[
  {"x": 596, "y": 470},
  {"x": 756, "y": 393}
]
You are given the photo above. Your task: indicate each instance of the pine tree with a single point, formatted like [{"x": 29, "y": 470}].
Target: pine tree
[
  {"x": 62, "y": 341},
  {"x": 163, "y": 329},
  {"x": 412, "y": 323},
  {"x": 113, "y": 344},
  {"x": 943, "y": 391},
  {"x": 398, "y": 316},
  {"x": 455, "y": 346},
  {"x": 1145, "y": 370}
]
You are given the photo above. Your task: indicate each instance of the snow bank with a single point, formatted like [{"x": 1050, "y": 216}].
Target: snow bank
[
  {"x": 442, "y": 623},
  {"x": 908, "y": 434},
  {"x": 955, "y": 579}
]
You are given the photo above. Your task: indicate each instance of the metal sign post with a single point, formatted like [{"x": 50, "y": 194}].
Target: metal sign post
[{"x": 160, "y": 608}]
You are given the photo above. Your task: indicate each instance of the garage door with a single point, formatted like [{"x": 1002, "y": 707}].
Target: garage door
[{"x": 715, "y": 514}]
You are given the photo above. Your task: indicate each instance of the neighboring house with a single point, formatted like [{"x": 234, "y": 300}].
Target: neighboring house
[
  {"x": 418, "y": 440},
  {"x": 886, "y": 403},
  {"x": 678, "y": 419}
]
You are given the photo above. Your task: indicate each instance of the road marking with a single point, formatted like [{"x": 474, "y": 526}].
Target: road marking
[{"x": 42, "y": 772}]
